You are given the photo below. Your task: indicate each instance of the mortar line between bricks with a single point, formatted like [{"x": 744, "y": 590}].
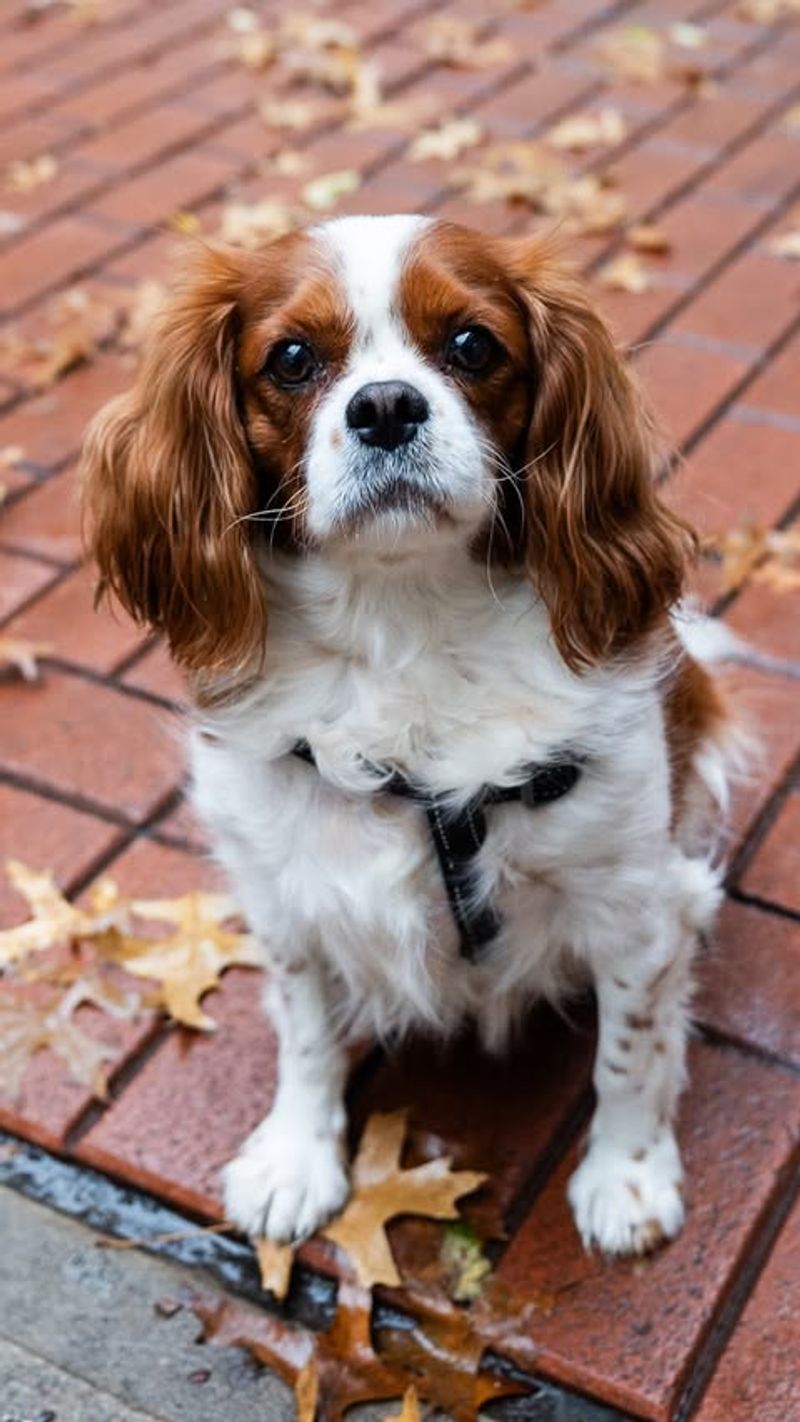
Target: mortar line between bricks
[
  {"x": 770, "y": 906},
  {"x": 715, "y": 1340},
  {"x": 60, "y": 574},
  {"x": 761, "y": 826},
  {"x": 57, "y": 50},
  {"x": 18, "y": 550},
  {"x": 216, "y": 124},
  {"x": 768, "y": 355},
  {"x": 73, "y": 800},
  {"x": 727, "y": 1041},
  {"x": 118, "y": 1083},
  {"x": 108, "y": 681}
]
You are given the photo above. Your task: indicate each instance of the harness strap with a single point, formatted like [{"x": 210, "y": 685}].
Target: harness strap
[{"x": 458, "y": 834}]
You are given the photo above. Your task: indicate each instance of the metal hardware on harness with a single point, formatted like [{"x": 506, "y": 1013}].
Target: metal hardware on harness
[{"x": 458, "y": 834}]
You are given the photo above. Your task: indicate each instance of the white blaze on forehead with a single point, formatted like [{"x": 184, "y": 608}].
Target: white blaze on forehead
[{"x": 369, "y": 253}]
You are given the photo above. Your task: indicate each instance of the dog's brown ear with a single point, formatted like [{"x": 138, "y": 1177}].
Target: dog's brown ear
[
  {"x": 168, "y": 481},
  {"x": 606, "y": 554}
]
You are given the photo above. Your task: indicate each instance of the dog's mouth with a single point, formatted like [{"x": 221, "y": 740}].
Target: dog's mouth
[{"x": 393, "y": 499}]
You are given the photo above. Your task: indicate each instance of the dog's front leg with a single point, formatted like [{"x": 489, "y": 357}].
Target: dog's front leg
[
  {"x": 289, "y": 1176},
  {"x": 626, "y": 1194}
]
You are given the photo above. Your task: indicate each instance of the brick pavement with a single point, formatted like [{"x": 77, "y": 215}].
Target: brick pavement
[{"x": 149, "y": 114}]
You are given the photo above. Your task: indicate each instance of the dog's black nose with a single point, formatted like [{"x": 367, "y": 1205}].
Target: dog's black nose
[{"x": 386, "y": 413}]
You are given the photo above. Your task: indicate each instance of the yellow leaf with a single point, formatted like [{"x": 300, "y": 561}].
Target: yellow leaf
[
  {"x": 460, "y": 43},
  {"x": 306, "y": 1391},
  {"x": 409, "y": 1412},
  {"x": 27, "y": 1028},
  {"x": 11, "y": 454},
  {"x": 582, "y": 131},
  {"x": 288, "y": 163},
  {"x": 325, "y": 191},
  {"x": 634, "y": 53},
  {"x": 447, "y": 141},
  {"x": 187, "y": 223},
  {"x": 295, "y": 114},
  {"x": 275, "y": 1265},
  {"x": 15, "y": 652},
  {"x": 383, "y": 1190},
  {"x": 251, "y": 225},
  {"x": 625, "y": 273},
  {"x": 54, "y": 919},
  {"x": 188, "y": 961},
  {"x": 24, "y": 176}
]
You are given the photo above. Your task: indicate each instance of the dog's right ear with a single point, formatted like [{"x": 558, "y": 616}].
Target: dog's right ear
[{"x": 168, "y": 480}]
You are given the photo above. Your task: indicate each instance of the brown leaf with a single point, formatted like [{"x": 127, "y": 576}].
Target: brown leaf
[
  {"x": 447, "y": 141},
  {"x": 251, "y": 225},
  {"x": 15, "y": 652},
  {"x": 581, "y": 131},
  {"x": 254, "y": 46},
  {"x": 382, "y": 1190},
  {"x": 625, "y": 273},
  {"x": 460, "y": 44},
  {"x": 188, "y": 961},
  {"x": 772, "y": 556},
  {"x": 294, "y": 114},
  {"x": 645, "y": 237},
  {"x": 275, "y": 1265}
]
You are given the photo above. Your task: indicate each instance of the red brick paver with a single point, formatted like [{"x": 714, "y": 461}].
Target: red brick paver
[{"x": 154, "y": 123}]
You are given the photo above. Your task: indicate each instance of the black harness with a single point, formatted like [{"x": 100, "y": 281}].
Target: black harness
[{"x": 458, "y": 834}]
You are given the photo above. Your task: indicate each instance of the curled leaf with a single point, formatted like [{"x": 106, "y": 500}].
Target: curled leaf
[
  {"x": 625, "y": 273},
  {"x": 581, "y": 131},
  {"x": 650, "y": 239},
  {"x": 460, "y": 44},
  {"x": 634, "y": 53},
  {"x": 447, "y": 141},
  {"x": 24, "y": 176}
]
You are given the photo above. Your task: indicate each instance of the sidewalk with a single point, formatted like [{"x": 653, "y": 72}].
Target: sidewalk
[{"x": 160, "y": 119}]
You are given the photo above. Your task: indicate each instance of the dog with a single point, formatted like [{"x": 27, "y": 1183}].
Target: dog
[{"x": 389, "y": 491}]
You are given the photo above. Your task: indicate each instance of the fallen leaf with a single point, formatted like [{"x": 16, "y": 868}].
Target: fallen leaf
[
  {"x": 634, "y": 53},
  {"x": 325, "y": 191},
  {"x": 460, "y": 43},
  {"x": 527, "y": 172},
  {"x": 464, "y": 1264},
  {"x": 581, "y": 131},
  {"x": 54, "y": 919},
  {"x": 251, "y": 225},
  {"x": 288, "y": 163},
  {"x": 650, "y": 239},
  {"x": 447, "y": 141},
  {"x": 24, "y": 176},
  {"x": 786, "y": 245},
  {"x": 254, "y": 46},
  {"x": 409, "y": 1412},
  {"x": 14, "y": 652},
  {"x": 186, "y": 962},
  {"x": 148, "y": 299},
  {"x": 382, "y": 1190},
  {"x": 275, "y": 1265},
  {"x": 771, "y": 556},
  {"x": 791, "y": 119},
  {"x": 294, "y": 114},
  {"x": 625, "y": 273},
  {"x": 27, "y": 1028},
  {"x": 11, "y": 455},
  {"x": 763, "y": 12},
  {"x": 686, "y": 35},
  {"x": 187, "y": 223}
]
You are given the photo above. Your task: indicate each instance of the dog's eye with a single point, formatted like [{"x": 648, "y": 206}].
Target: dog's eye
[
  {"x": 291, "y": 363},
  {"x": 474, "y": 349}
]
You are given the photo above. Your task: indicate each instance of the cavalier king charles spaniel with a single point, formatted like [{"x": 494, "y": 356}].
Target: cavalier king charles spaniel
[{"x": 388, "y": 489}]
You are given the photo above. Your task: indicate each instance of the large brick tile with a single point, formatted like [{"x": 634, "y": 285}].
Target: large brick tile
[
  {"x": 774, "y": 873},
  {"x": 749, "y": 980},
  {"x": 628, "y": 1332},
  {"x": 686, "y": 383},
  {"x": 45, "y": 835},
  {"x": 51, "y": 426},
  {"x": 741, "y": 472},
  {"x": 46, "y": 521},
  {"x": 91, "y": 743},
  {"x": 20, "y": 579},
  {"x": 757, "y": 1377},
  {"x": 77, "y": 632}
]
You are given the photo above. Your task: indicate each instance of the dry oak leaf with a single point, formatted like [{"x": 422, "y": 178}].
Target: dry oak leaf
[
  {"x": 14, "y": 652},
  {"x": 293, "y": 114},
  {"x": 26, "y": 1028},
  {"x": 625, "y": 273},
  {"x": 251, "y": 225},
  {"x": 581, "y": 131},
  {"x": 188, "y": 961},
  {"x": 772, "y": 556},
  {"x": 330, "y": 1372},
  {"x": 382, "y": 1190},
  {"x": 447, "y": 141},
  {"x": 55, "y": 920},
  {"x": 274, "y": 1265},
  {"x": 460, "y": 44},
  {"x": 786, "y": 245}
]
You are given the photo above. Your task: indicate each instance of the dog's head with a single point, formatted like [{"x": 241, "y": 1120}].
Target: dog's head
[{"x": 379, "y": 388}]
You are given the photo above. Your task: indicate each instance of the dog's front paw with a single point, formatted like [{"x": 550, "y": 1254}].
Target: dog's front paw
[
  {"x": 628, "y": 1204},
  {"x": 285, "y": 1182}
]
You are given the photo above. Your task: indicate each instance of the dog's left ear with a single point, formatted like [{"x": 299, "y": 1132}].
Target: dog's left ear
[{"x": 606, "y": 555}]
